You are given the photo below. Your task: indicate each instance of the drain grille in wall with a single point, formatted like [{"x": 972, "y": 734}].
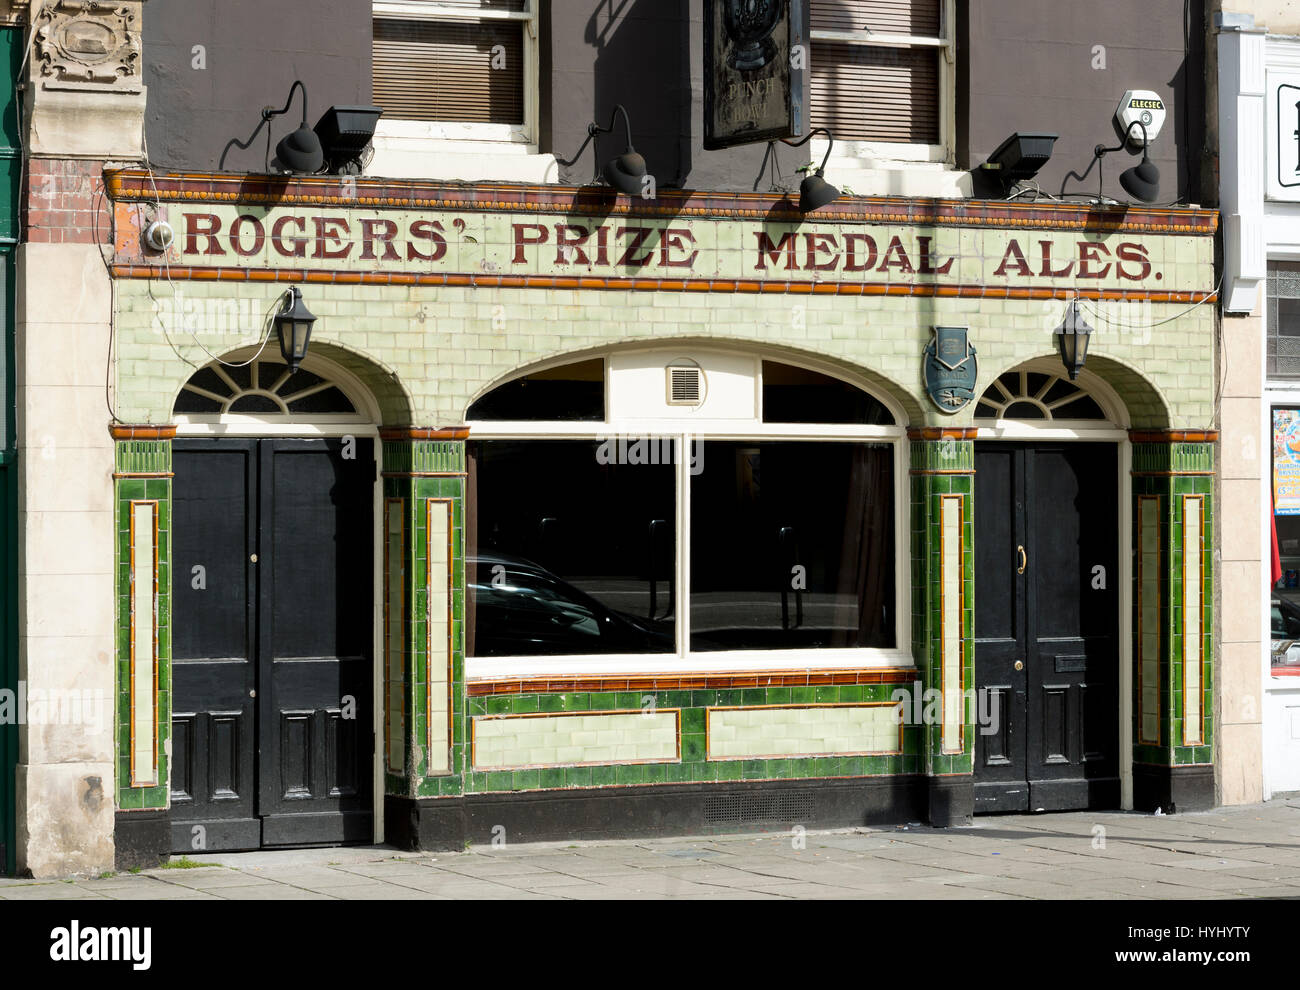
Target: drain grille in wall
[{"x": 783, "y": 806}]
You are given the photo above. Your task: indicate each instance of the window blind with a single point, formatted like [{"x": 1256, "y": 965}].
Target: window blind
[
  {"x": 443, "y": 70},
  {"x": 866, "y": 93}
]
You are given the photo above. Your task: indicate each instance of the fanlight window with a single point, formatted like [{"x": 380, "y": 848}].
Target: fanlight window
[
  {"x": 264, "y": 387},
  {"x": 1037, "y": 396}
]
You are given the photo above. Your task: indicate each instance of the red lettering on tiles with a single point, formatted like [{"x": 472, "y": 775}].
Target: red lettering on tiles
[{"x": 383, "y": 231}]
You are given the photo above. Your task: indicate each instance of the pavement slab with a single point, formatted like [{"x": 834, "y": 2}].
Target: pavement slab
[{"x": 1226, "y": 854}]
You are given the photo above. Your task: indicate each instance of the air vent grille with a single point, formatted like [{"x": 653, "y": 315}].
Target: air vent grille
[
  {"x": 684, "y": 386},
  {"x": 782, "y": 806}
]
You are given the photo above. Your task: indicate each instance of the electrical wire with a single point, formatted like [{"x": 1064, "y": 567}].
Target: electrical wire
[{"x": 1098, "y": 314}]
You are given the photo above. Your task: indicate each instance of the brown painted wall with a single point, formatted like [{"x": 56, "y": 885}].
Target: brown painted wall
[
  {"x": 1023, "y": 65},
  {"x": 1027, "y": 65},
  {"x": 254, "y": 50}
]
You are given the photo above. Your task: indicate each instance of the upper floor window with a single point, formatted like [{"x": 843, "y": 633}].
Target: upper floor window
[
  {"x": 1283, "y": 319},
  {"x": 882, "y": 75},
  {"x": 456, "y": 69}
]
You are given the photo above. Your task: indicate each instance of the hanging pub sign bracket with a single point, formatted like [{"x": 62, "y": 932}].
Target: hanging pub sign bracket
[
  {"x": 756, "y": 70},
  {"x": 950, "y": 369}
]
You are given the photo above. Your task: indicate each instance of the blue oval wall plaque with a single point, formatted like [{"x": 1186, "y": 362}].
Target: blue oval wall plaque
[{"x": 950, "y": 369}]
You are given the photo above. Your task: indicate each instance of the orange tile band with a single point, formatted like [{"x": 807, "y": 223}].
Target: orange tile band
[
  {"x": 780, "y": 286},
  {"x": 135, "y": 184},
  {"x": 686, "y": 682}
]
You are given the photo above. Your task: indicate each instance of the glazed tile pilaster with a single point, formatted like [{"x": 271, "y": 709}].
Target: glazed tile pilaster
[
  {"x": 142, "y": 482},
  {"x": 1173, "y": 521},
  {"x": 424, "y": 609},
  {"x": 943, "y": 587}
]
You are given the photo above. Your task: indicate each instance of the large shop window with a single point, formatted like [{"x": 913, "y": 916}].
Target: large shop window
[
  {"x": 465, "y": 61},
  {"x": 880, "y": 70},
  {"x": 778, "y": 534}
]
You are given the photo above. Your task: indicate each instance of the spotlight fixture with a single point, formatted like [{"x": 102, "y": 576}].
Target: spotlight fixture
[
  {"x": 815, "y": 192},
  {"x": 345, "y": 134},
  {"x": 1142, "y": 181},
  {"x": 293, "y": 326},
  {"x": 301, "y": 150},
  {"x": 1072, "y": 340},
  {"x": 1019, "y": 157},
  {"x": 626, "y": 173}
]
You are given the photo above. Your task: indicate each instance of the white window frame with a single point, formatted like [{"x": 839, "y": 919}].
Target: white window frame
[
  {"x": 519, "y": 137},
  {"x": 703, "y": 431},
  {"x": 887, "y": 151}
]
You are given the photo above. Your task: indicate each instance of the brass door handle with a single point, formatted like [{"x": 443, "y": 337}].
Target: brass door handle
[
  {"x": 1024, "y": 560},
  {"x": 1020, "y": 665}
]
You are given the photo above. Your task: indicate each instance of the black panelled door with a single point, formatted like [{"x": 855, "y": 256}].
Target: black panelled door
[
  {"x": 272, "y": 728},
  {"x": 1047, "y": 626}
]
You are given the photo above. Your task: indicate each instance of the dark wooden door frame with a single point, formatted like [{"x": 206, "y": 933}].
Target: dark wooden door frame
[
  {"x": 1122, "y": 576},
  {"x": 259, "y": 453}
]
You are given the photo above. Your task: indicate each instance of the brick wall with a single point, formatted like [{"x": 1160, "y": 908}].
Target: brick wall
[{"x": 64, "y": 202}]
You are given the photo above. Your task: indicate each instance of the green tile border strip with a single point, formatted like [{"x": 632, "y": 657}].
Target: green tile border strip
[
  {"x": 150, "y": 457},
  {"x": 1168, "y": 472},
  {"x": 695, "y": 767}
]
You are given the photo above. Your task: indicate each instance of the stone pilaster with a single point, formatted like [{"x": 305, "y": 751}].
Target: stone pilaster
[
  {"x": 1173, "y": 620},
  {"x": 423, "y": 533},
  {"x": 943, "y": 587}
]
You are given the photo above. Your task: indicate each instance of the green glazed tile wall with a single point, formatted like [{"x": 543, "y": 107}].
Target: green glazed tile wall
[
  {"x": 694, "y": 766},
  {"x": 142, "y": 456},
  {"x": 1170, "y": 488},
  {"x": 404, "y": 457},
  {"x": 927, "y": 491}
]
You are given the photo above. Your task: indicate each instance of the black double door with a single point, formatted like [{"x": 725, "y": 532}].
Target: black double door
[
  {"x": 1046, "y": 627},
  {"x": 272, "y": 737}
]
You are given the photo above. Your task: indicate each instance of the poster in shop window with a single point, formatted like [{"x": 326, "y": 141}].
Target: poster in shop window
[
  {"x": 1286, "y": 462},
  {"x": 756, "y": 58}
]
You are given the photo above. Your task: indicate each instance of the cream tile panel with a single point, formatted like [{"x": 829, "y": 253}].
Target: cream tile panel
[
  {"x": 951, "y": 580},
  {"x": 144, "y": 740},
  {"x": 439, "y": 598},
  {"x": 516, "y": 741},
  {"x": 816, "y": 730},
  {"x": 1192, "y": 506}
]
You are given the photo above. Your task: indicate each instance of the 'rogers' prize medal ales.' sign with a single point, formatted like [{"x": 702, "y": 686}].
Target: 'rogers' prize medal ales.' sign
[{"x": 433, "y": 242}]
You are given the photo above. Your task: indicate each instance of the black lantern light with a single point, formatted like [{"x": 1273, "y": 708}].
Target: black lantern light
[
  {"x": 301, "y": 150},
  {"x": 1142, "y": 181},
  {"x": 1072, "y": 339},
  {"x": 293, "y": 327},
  {"x": 815, "y": 192},
  {"x": 626, "y": 173}
]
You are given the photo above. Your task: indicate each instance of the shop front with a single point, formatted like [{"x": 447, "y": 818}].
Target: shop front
[{"x": 587, "y": 516}]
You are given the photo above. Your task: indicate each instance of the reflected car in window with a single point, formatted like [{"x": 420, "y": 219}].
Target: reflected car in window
[
  {"x": 1285, "y": 622},
  {"x": 522, "y": 609}
]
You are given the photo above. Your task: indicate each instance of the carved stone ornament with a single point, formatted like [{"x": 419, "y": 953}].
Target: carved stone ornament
[{"x": 89, "y": 44}]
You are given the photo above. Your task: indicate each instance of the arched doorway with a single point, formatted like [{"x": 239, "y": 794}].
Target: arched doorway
[
  {"x": 274, "y": 641},
  {"x": 1050, "y": 632}
]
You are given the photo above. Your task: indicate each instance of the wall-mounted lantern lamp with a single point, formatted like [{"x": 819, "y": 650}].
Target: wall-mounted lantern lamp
[
  {"x": 1142, "y": 181},
  {"x": 627, "y": 172},
  {"x": 301, "y": 150},
  {"x": 815, "y": 192},
  {"x": 293, "y": 326},
  {"x": 1072, "y": 339},
  {"x": 1016, "y": 159}
]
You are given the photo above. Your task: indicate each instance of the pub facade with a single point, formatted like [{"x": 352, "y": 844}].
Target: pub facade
[{"x": 581, "y": 513}]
